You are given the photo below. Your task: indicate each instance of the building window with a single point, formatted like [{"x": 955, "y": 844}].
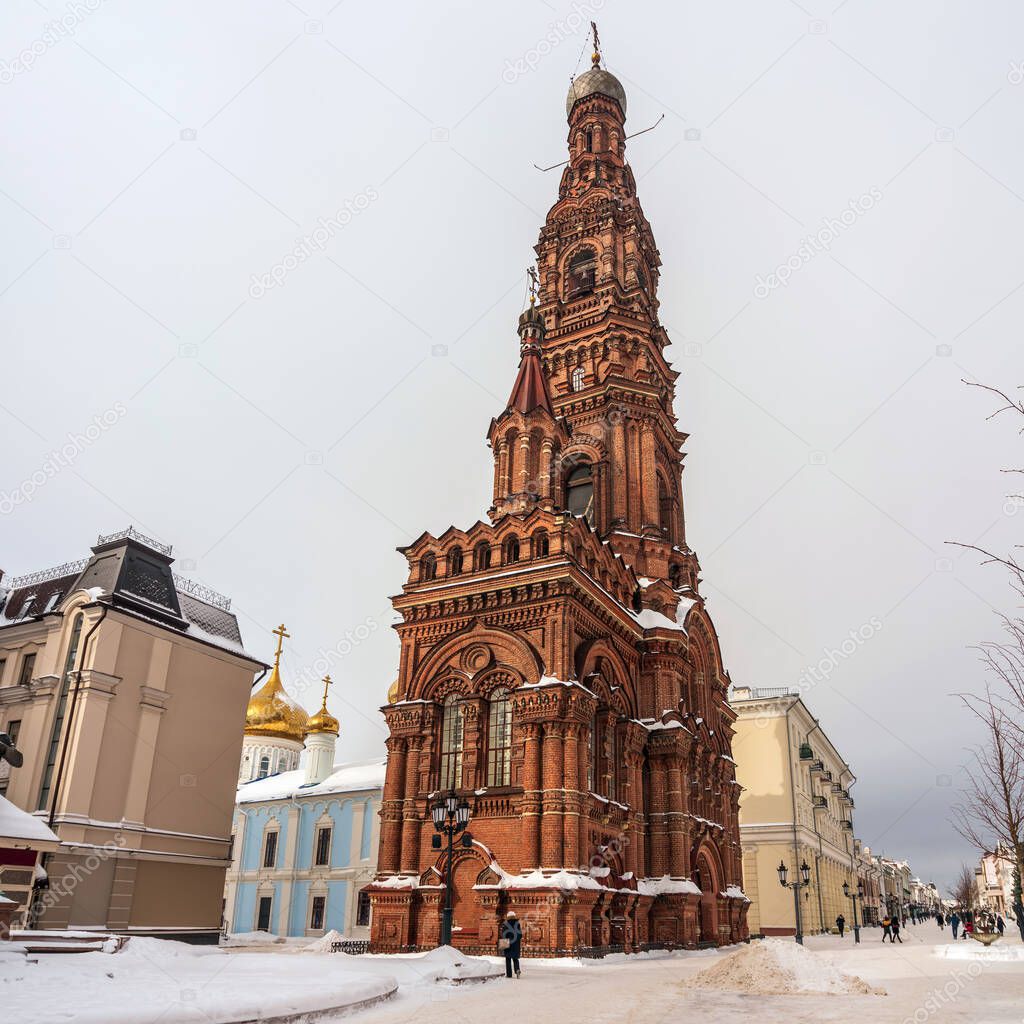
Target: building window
[
  {"x": 451, "y": 743},
  {"x": 363, "y": 910},
  {"x": 510, "y": 550},
  {"x": 664, "y": 508},
  {"x": 455, "y": 562},
  {"x": 499, "y": 738},
  {"x": 316, "y": 913},
  {"x": 482, "y": 556},
  {"x": 579, "y": 492},
  {"x": 576, "y": 381},
  {"x": 323, "y": 846},
  {"x": 28, "y": 666},
  {"x": 590, "y": 140},
  {"x": 270, "y": 850},
  {"x": 582, "y": 273},
  {"x": 541, "y": 547},
  {"x": 264, "y": 769},
  {"x": 12, "y": 730},
  {"x": 263, "y": 914},
  {"x": 592, "y": 760},
  {"x": 428, "y": 567},
  {"x": 3, "y": 665}
]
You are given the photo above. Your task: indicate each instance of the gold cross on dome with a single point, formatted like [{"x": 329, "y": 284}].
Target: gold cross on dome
[
  {"x": 328, "y": 681},
  {"x": 531, "y": 273},
  {"x": 280, "y": 633}
]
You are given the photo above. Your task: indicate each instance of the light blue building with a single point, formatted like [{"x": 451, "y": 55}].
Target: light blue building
[{"x": 304, "y": 841}]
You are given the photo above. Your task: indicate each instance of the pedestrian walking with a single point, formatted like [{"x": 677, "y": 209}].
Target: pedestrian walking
[
  {"x": 886, "y": 928},
  {"x": 968, "y": 929},
  {"x": 954, "y": 923},
  {"x": 941, "y": 921},
  {"x": 510, "y": 943},
  {"x": 896, "y": 930},
  {"x": 841, "y": 925},
  {"x": 1000, "y": 924}
]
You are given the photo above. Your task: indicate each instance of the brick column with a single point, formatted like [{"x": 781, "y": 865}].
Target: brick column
[
  {"x": 618, "y": 471},
  {"x": 573, "y": 800},
  {"x": 659, "y": 838},
  {"x": 551, "y": 818},
  {"x": 530, "y": 818},
  {"x": 676, "y": 835},
  {"x": 391, "y": 808},
  {"x": 649, "y": 476},
  {"x": 410, "y": 817}
]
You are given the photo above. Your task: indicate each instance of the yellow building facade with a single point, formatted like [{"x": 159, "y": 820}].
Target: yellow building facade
[{"x": 795, "y": 808}]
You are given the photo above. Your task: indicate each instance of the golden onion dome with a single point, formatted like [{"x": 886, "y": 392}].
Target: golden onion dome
[
  {"x": 393, "y": 692},
  {"x": 323, "y": 720},
  {"x": 271, "y": 712}
]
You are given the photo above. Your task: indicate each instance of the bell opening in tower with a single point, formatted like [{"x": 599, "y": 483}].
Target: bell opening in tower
[{"x": 579, "y": 492}]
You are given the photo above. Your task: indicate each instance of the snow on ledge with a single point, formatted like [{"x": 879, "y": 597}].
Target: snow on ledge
[
  {"x": 666, "y": 886},
  {"x": 734, "y": 892},
  {"x": 397, "y": 882}
]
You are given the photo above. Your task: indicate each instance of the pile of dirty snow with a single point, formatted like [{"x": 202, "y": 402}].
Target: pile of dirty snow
[
  {"x": 777, "y": 967},
  {"x": 324, "y": 943}
]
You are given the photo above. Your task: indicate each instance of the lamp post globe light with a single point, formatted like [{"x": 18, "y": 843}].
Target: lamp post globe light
[
  {"x": 796, "y": 886},
  {"x": 451, "y": 817},
  {"x": 857, "y": 895}
]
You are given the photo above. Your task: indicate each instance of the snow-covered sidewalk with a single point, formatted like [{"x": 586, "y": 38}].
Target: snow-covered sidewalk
[{"x": 153, "y": 980}]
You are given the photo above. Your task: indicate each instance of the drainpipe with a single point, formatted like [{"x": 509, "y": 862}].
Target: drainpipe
[
  {"x": 821, "y": 853},
  {"x": 66, "y": 742},
  {"x": 792, "y": 794}
]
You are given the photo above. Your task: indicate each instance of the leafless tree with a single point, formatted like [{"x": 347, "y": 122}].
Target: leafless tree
[
  {"x": 964, "y": 890},
  {"x": 991, "y": 812}
]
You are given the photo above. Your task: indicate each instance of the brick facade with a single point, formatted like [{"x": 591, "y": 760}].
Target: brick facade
[{"x": 604, "y": 809}]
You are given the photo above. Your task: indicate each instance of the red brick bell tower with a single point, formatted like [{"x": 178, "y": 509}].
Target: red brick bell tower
[{"x": 558, "y": 666}]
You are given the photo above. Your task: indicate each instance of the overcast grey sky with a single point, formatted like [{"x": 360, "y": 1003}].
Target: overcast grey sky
[{"x": 285, "y": 436}]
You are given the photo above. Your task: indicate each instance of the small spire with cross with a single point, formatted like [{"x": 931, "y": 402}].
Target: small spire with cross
[
  {"x": 280, "y": 633},
  {"x": 595, "y": 57},
  {"x": 328, "y": 681},
  {"x": 531, "y": 273}
]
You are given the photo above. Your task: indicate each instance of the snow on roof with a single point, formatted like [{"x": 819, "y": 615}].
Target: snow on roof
[
  {"x": 25, "y": 829},
  {"x": 650, "y": 619},
  {"x": 666, "y": 885},
  {"x": 346, "y": 778}
]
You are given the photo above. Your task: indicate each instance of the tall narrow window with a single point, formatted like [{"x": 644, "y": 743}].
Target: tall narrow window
[
  {"x": 428, "y": 567},
  {"x": 590, "y": 140},
  {"x": 576, "y": 381},
  {"x": 264, "y": 769},
  {"x": 363, "y": 910},
  {"x": 323, "y": 846},
  {"x": 664, "y": 508},
  {"x": 451, "y": 744},
  {"x": 499, "y": 739},
  {"x": 482, "y": 556},
  {"x": 270, "y": 850},
  {"x": 263, "y": 914},
  {"x": 3, "y": 666},
  {"x": 510, "y": 550},
  {"x": 592, "y": 760},
  {"x": 541, "y": 547},
  {"x": 579, "y": 492},
  {"x": 12, "y": 730},
  {"x": 455, "y": 562},
  {"x": 27, "y": 667},
  {"x": 316, "y": 913}
]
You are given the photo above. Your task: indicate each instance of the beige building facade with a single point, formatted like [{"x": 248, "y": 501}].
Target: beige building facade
[
  {"x": 125, "y": 687},
  {"x": 795, "y": 808}
]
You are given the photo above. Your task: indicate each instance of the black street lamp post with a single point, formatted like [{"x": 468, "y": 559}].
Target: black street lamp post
[
  {"x": 450, "y": 816},
  {"x": 796, "y": 886},
  {"x": 858, "y": 895}
]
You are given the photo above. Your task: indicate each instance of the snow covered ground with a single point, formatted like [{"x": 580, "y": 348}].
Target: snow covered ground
[
  {"x": 152, "y": 980},
  {"x": 925, "y": 979}
]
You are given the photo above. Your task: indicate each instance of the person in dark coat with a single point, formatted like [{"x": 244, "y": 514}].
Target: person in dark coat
[
  {"x": 896, "y": 929},
  {"x": 512, "y": 942},
  {"x": 1000, "y": 924},
  {"x": 886, "y": 928},
  {"x": 841, "y": 925},
  {"x": 954, "y": 923}
]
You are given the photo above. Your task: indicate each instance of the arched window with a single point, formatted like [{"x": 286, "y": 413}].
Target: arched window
[
  {"x": 664, "y": 508},
  {"x": 579, "y": 492},
  {"x": 428, "y": 567},
  {"x": 541, "y": 545},
  {"x": 576, "y": 381},
  {"x": 451, "y": 744},
  {"x": 510, "y": 550},
  {"x": 264, "y": 770},
  {"x": 592, "y": 766},
  {"x": 582, "y": 273},
  {"x": 675, "y": 572},
  {"x": 482, "y": 556},
  {"x": 455, "y": 562},
  {"x": 589, "y": 140},
  {"x": 499, "y": 739}
]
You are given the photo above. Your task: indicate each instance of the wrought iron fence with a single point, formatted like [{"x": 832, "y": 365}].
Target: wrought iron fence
[{"x": 354, "y": 947}]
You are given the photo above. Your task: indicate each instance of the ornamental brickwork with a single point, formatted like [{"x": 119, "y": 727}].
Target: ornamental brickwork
[{"x": 558, "y": 667}]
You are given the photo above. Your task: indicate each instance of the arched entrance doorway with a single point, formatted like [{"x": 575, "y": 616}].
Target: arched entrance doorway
[{"x": 707, "y": 879}]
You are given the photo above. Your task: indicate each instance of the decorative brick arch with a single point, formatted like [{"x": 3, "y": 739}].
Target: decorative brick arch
[{"x": 709, "y": 874}]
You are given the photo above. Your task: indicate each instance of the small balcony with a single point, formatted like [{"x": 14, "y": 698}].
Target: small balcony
[
  {"x": 846, "y": 825},
  {"x": 816, "y": 766},
  {"x": 826, "y": 776},
  {"x": 819, "y": 801},
  {"x": 806, "y": 754},
  {"x": 837, "y": 788}
]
